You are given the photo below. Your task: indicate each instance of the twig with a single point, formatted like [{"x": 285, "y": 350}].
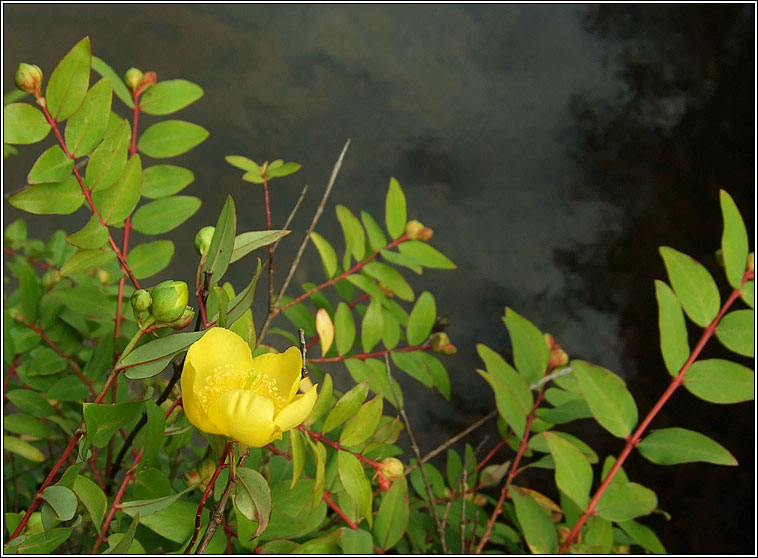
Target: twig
[
  {"x": 303, "y": 351},
  {"x": 553, "y": 375},
  {"x": 414, "y": 447},
  {"x": 316, "y": 216},
  {"x": 298, "y": 203},
  {"x": 365, "y": 356},
  {"x": 452, "y": 440}
]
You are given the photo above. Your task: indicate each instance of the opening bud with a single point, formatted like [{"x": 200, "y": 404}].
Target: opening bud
[
  {"x": 750, "y": 262},
  {"x": 203, "y": 240},
  {"x": 28, "y": 78},
  {"x": 141, "y": 300},
  {"x": 169, "y": 301},
  {"x": 132, "y": 78},
  {"x": 191, "y": 479},
  {"x": 441, "y": 344},
  {"x": 50, "y": 279},
  {"x": 413, "y": 229},
  {"x": 185, "y": 319},
  {"x": 391, "y": 469},
  {"x": 150, "y": 78}
]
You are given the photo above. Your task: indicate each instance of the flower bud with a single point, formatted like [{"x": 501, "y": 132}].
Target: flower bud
[
  {"x": 185, "y": 319},
  {"x": 132, "y": 78},
  {"x": 441, "y": 344},
  {"x": 17, "y": 316},
  {"x": 103, "y": 276},
  {"x": 750, "y": 262},
  {"x": 206, "y": 470},
  {"x": 150, "y": 78},
  {"x": 50, "y": 279},
  {"x": 558, "y": 357},
  {"x": 479, "y": 500},
  {"x": 28, "y": 78},
  {"x": 203, "y": 240},
  {"x": 415, "y": 230},
  {"x": 169, "y": 301},
  {"x": 191, "y": 479},
  {"x": 549, "y": 340},
  {"x": 141, "y": 300},
  {"x": 391, "y": 468}
]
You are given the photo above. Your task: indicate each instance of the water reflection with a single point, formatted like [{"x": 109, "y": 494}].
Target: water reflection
[{"x": 543, "y": 173}]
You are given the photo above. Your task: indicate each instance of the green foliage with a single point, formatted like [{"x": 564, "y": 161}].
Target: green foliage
[{"x": 93, "y": 374}]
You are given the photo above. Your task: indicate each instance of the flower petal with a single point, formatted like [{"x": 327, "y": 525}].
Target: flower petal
[
  {"x": 246, "y": 417},
  {"x": 283, "y": 368},
  {"x": 191, "y": 405},
  {"x": 217, "y": 348},
  {"x": 297, "y": 411}
]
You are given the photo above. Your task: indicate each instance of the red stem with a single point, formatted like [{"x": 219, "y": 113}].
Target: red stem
[
  {"x": 11, "y": 371},
  {"x": 491, "y": 454},
  {"x": 38, "y": 263},
  {"x": 634, "y": 439},
  {"x": 270, "y": 247},
  {"x": 357, "y": 267},
  {"x": 331, "y": 503},
  {"x": 320, "y": 437},
  {"x": 364, "y": 356},
  {"x": 198, "y": 516}
]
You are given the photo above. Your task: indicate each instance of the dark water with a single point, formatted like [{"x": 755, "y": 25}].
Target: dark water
[{"x": 551, "y": 148}]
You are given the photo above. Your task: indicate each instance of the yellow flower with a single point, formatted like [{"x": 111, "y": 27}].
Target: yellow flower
[{"x": 252, "y": 400}]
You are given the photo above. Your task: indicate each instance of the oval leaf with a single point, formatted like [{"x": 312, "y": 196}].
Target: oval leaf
[
  {"x": 62, "y": 500},
  {"x": 734, "y": 242},
  {"x": 107, "y": 161},
  {"x": 160, "y": 181},
  {"x": 736, "y": 331},
  {"x": 169, "y": 96},
  {"x": 52, "y": 166},
  {"x": 23, "y": 124},
  {"x": 538, "y": 528},
  {"x": 421, "y": 319},
  {"x": 253, "y": 497},
  {"x": 394, "y": 210},
  {"x": 58, "y": 198},
  {"x": 86, "y": 127},
  {"x": 117, "y": 202},
  {"x": 346, "y": 407},
  {"x": 720, "y": 381},
  {"x": 344, "y": 326},
  {"x": 392, "y": 518},
  {"x": 624, "y": 501},
  {"x": 372, "y": 325},
  {"x": 222, "y": 243},
  {"x": 530, "y": 351},
  {"x": 69, "y": 81},
  {"x": 573, "y": 473},
  {"x": 362, "y": 426},
  {"x": 671, "y": 446},
  {"x": 391, "y": 279},
  {"x": 146, "y": 260},
  {"x": 353, "y": 479},
  {"x": 693, "y": 285},
  {"x": 675, "y": 346},
  {"x": 171, "y": 138},
  {"x": 607, "y": 397},
  {"x": 161, "y": 216},
  {"x": 327, "y": 253}
]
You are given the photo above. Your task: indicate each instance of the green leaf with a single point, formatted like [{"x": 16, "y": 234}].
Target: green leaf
[
  {"x": 624, "y": 501},
  {"x": 52, "y": 166},
  {"x": 734, "y": 242},
  {"x": 23, "y": 124},
  {"x": 69, "y": 81},
  {"x": 327, "y": 253},
  {"x": 44, "y": 543},
  {"x": 391, "y": 279},
  {"x": 93, "y": 498},
  {"x": 736, "y": 331},
  {"x": 119, "y": 88},
  {"x": 118, "y": 201},
  {"x": 126, "y": 543},
  {"x": 375, "y": 373},
  {"x": 31, "y": 402},
  {"x": 748, "y": 293},
  {"x": 87, "y": 125},
  {"x": 176, "y": 522},
  {"x": 355, "y": 238},
  {"x": 353, "y": 479},
  {"x": 671, "y": 446},
  {"x": 675, "y": 346},
  {"x": 421, "y": 319},
  {"x": 29, "y": 290},
  {"x": 163, "y": 215},
  {"x": 323, "y": 402},
  {"x": 344, "y": 326},
  {"x": 151, "y": 358},
  {"x": 438, "y": 373},
  {"x": 92, "y": 235},
  {"x": 643, "y": 536},
  {"x": 573, "y": 473},
  {"x": 372, "y": 325},
  {"x": 425, "y": 255},
  {"x": 412, "y": 365},
  {"x": 85, "y": 259},
  {"x": 160, "y": 181},
  {"x": 241, "y": 303},
  {"x": 392, "y": 517},
  {"x": 166, "y": 97},
  {"x": 222, "y": 244},
  {"x": 242, "y": 163},
  {"x": 57, "y": 198},
  {"x": 107, "y": 162},
  {"x": 610, "y": 402},
  {"x": 150, "y": 506},
  {"x": 693, "y": 285},
  {"x": 297, "y": 451},
  {"x": 396, "y": 258},
  {"x": 86, "y": 300},
  {"x": 62, "y": 500},
  {"x": 253, "y": 498},
  {"x": 154, "y": 436},
  {"x": 376, "y": 238},
  {"x": 536, "y": 524},
  {"x": 346, "y": 407},
  {"x": 22, "y": 448},
  {"x": 362, "y": 426},
  {"x": 170, "y": 138},
  {"x": 102, "y": 421},
  {"x": 281, "y": 170},
  {"x": 512, "y": 395},
  {"x": 720, "y": 381},
  {"x": 359, "y": 541},
  {"x": 394, "y": 210},
  {"x": 320, "y": 545},
  {"x": 530, "y": 351},
  {"x": 146, "y": 260},
  {"x": 246, "y": 242},
  {"x": 21, "y": 423},
  {"x": 68, "y": 388}
]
